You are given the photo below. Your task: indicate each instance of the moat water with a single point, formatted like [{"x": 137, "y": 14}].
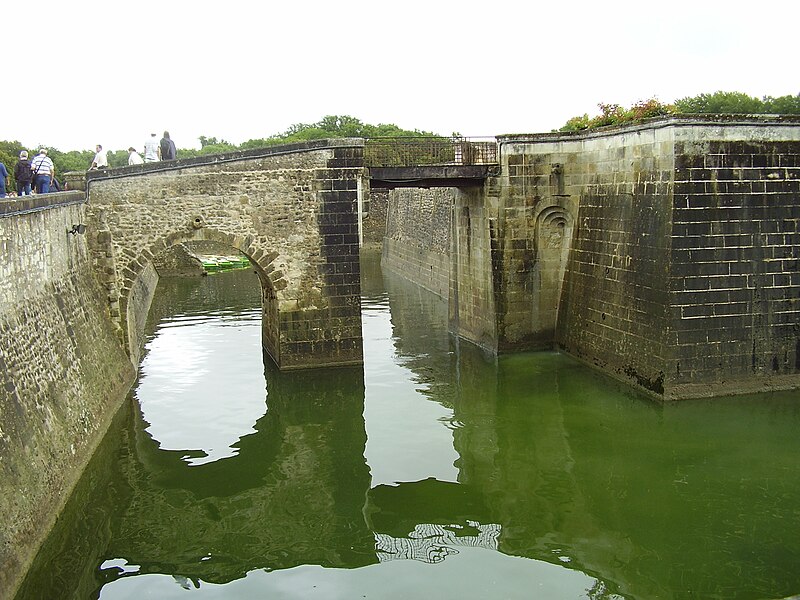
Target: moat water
[{"x": 434, "y": 471}]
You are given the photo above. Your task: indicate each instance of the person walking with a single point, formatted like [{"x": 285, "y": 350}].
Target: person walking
[
  {"x": 3, "y": 180},
  {"x": 152, "y": 151},
  {"x": 43, "y": 171},
  {"x": 23, "y": 174},
  {"x": 100, "y": 160},
  {"x": 134, "y": 158},
  {"x": 167, "y": 146}
]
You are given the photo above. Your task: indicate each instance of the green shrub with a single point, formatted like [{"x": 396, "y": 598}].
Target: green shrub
[{"x": 716, "y": 103}]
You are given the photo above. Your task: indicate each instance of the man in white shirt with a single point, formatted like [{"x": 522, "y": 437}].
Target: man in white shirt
[
  {"x": 134, "y": 158},
  {"x": 100, "y": 159},
  {"x": 43, "y": 170},
  {"x": 152, "y": 150}
]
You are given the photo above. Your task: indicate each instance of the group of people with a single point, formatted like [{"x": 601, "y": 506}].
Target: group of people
[
  {"x": 154, "y": 150},
  {"x": 38, "y": 174}
]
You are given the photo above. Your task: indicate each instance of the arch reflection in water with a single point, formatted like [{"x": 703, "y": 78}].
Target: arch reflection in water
[
  {"x": 188, "y": 406},
  {"x": 293, "y": 484},
  {"x": 200, "y": 328},
  {"x": 293, "y": 494}
]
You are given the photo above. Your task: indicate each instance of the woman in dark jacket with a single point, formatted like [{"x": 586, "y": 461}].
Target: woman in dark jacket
[{"x": 23, "y": 174}]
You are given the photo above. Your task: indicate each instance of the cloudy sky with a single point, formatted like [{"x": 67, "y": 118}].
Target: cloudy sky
[{"x": 112, "y": 72}]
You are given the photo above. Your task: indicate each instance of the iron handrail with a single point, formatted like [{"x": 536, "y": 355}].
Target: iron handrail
[{"x": 429, "y": 150}]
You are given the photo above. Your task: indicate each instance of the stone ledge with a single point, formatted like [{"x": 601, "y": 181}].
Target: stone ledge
[
  {"x": 655, "y": 123},
  {"x": 25, "y": 204},
  {"x": 212, "y": 159}
]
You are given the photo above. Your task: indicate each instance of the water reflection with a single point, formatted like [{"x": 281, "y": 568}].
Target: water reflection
[
  {"x": 437, "y": 470},
  {"x": 188, "y": 405},
  {"x": 293, "y": 494},
  {"x": 198, "y": 391},
  {"x": 407, "y": 441},
  {"x": 662, "y": 501}
]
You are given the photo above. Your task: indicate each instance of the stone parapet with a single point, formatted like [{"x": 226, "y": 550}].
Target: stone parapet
[
  {"x": 75, "y": 180},
  {"x": 18, "y": 205}
]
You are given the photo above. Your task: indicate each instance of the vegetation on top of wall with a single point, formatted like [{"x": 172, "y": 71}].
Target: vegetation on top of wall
[
  {"x": 614, "y": 114},
  {"x": 716, "y": 103}
]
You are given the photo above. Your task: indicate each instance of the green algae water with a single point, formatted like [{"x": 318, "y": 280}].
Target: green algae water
[{"x": 433, "y": 471}]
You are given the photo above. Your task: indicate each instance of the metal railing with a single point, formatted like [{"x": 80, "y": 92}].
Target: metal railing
[{"x": 421, "y": 151}]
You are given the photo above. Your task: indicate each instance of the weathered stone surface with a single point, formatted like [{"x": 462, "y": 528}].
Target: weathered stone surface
[
  {"x": 180, "y": 261},
  {"x": 472, "y": 301},
  {"x": 664, "y": 254},
  {"x": 735, "y": 262},
  {"x": 679, "y": 278},
  {"x": 63, "y": 372},
  {"x": 374, "y": 217},
  {"x": 417, "y": 240},
  {"x": 292, "y": 211}
]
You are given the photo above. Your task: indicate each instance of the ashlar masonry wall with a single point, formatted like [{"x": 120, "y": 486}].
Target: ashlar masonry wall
[
  {"x": 63, "y": 368},
  {"x": 612, "y": 195},
  {"x": 442, "y": 239},
  {"x": 666, "y": 254},
  {"x": 417, "y": 239},
  {"x": 682, "y": 270},
  {"x": 734, "y": 280},
  {"x": 473, "y": 299},
  {"x": 613, "y": 309}
]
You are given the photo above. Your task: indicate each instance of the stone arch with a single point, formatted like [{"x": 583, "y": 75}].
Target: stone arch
[
  {"x": 292, "y": 210},
  {"x": 553, "y": 236},
  {"x": 139, "y": 280}
]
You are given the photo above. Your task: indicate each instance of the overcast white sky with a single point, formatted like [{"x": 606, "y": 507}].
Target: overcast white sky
[{"x": 239, "y": 70}]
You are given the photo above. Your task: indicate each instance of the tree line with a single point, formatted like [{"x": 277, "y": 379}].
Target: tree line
[
  {"x": 735, "y": 103},
  {"x": 332, "y": 126}
]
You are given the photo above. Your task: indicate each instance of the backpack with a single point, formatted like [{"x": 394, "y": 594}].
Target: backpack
[
  {"x": 167, "y": 149},
  {"x": 23, "y": 171}
]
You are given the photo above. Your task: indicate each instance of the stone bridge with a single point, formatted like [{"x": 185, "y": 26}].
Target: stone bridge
[{"x": 292, "y": 210}]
